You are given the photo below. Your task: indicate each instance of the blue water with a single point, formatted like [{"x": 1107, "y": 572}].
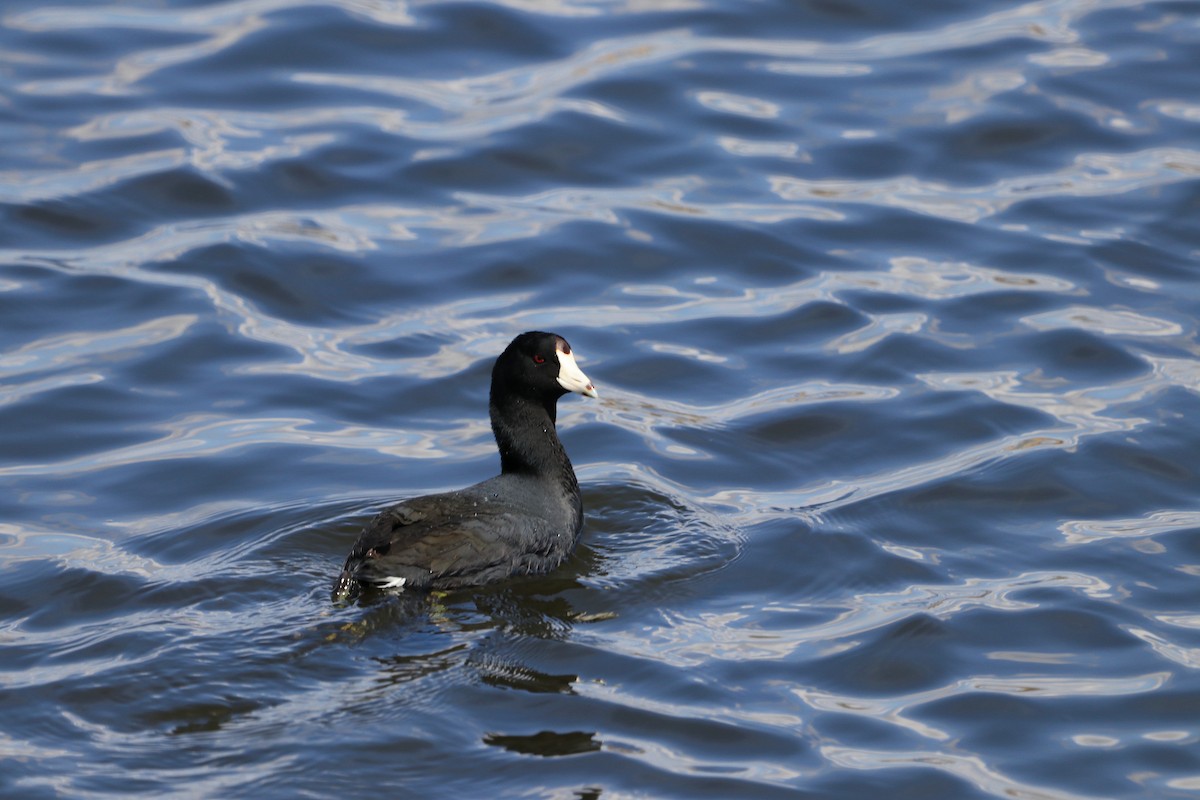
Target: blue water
[{"x": 892, "y": 489}]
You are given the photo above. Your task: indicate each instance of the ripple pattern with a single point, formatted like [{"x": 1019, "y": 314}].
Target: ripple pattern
[{"x": 893, "y": 311}]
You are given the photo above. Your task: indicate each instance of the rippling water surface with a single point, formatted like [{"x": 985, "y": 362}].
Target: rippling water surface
[{"x": 893, "y": 488}]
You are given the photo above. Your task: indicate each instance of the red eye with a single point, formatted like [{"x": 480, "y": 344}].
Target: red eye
[{"x": 538, "y": 358}]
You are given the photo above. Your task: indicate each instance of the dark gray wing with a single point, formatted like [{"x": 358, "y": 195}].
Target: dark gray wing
[{"x": 444, "y": 541}]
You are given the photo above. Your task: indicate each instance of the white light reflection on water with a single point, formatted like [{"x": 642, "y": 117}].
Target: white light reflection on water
[
  {"x": 646, "y": 414},
  {"x": 880, "y": 328},
  {"x": 1155, "y": 523},
  {"x": 207, "y": 435},
  {"x": 214, "y": 157},
  {"x": 592, "y": 8},
  {"x": 739, "y": 105},
  {"x": 676, "y": 760},
  {"x": 1045, "y": 22},
  {"x": 328, "y": 353},
  {"x": 969, "y": 768},
  {"x": 16, "y": 393},
  {"x": 972, "y": 95},
  {"x": 1171, "y": 651},
  {"x": 76, "y": 551},
  {"x": 86, "y": 347},
  {"x": 42, "y": 184},
  {"x": 1103, "y": 321},
  {"x": 1082, "y": 413},
  {"x": 211, "y": 18},
  {"x": 1091, "y": 175},
  {"x": 892, "y": 709},
  {"x": 687, "y": 641},
  {"x": 484, "y": 104},
  {"x": 757, "y": 148},
  {"x": 130, "y": 69},
  {"x": 1070, "y": 57}
]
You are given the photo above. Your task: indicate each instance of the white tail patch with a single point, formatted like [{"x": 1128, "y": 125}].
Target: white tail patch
[{"x": 393, "y": 583}]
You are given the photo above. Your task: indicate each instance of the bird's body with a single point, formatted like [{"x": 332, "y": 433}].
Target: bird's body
[{"x": 524, "y": 520}]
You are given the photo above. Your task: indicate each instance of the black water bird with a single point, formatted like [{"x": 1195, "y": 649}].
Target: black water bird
[{"x": 524, "y": 520}]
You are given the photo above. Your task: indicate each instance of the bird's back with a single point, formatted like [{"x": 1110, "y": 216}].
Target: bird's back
[{"x": 504, "y": 526}]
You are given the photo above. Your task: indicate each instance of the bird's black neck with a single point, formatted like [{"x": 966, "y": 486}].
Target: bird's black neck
[{"x": 528, "y": 442}]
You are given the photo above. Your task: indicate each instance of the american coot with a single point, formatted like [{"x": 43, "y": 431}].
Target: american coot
[{"x": 526, "y": 519}]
